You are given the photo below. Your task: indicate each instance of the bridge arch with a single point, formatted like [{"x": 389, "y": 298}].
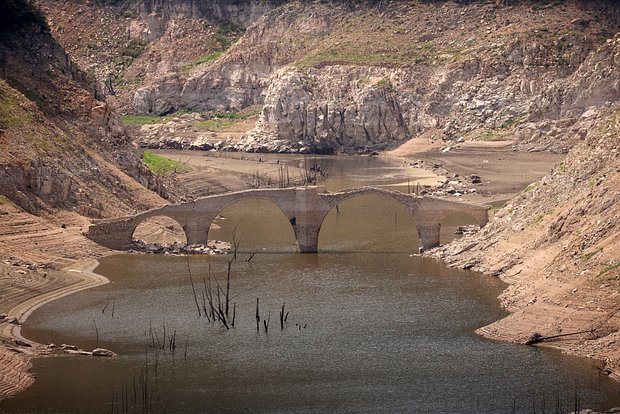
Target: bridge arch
[
  {"x": 402, "y": 199},
  {"x": 270, "y": 226},
  {"x": 305, "y": 208},
  {"x": 369, "y": 221},
  {"x": 162, "y": 229}
]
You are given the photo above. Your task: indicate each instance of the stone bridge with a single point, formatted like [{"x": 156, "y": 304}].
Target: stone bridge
[{"x": 305, "y": 207}]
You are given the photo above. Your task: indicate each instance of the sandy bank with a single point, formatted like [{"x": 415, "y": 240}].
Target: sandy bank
[
  {"x": 14, "y": 354},
  {"x": 545, "y": 295}
]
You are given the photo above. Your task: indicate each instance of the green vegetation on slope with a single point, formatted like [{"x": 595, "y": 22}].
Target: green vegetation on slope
[
  {"x": 368, "y": 38},
  {"x": 162, "y": 165},
  {"x": 223, "y": 120},
  {"x": 144, "y": 119},
  {"x": 139, "y": 120},
  {"x": 11, "y": 112},
  {"x": 19, "y": 119},
  {"x": 201, "y": 60}
]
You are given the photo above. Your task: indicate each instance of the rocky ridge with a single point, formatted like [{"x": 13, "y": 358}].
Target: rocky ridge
[
  {"x": 141, "y": 44},
  {"x": 515, "y": 79}
]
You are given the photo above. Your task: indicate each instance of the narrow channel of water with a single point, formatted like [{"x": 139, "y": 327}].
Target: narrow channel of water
[{"x": 371, "y": 328}]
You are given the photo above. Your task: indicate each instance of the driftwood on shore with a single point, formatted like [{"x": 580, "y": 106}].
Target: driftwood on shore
[{"x": 537, "y": 338}]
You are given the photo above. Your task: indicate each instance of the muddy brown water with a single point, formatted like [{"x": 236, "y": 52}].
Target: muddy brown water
[{"x": 371, "y": 328}]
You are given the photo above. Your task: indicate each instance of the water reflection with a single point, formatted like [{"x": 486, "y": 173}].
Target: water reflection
[{"x": 367, "y": 332}]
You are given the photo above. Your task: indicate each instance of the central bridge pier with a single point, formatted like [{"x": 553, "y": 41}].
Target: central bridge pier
[{"x": 305, "y": 207}]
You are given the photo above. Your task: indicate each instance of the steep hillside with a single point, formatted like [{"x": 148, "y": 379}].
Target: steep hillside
[
  {"x": 61, "y": 147},
  {"x": 558, "y": 244},
  {"x": 478, "y": 72},
  {"x": 355, "y": 76},
  {"x": 132, "y": 44}
]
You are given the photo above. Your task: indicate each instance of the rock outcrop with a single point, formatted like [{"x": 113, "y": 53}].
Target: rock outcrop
[
  {"x": 339, "y": 107},
  {"x": 529, "y": 85},
  {"x": 237, "y": 79},
  {"x": 156, "y": 14},
  {"x": 356, "y": 77}
]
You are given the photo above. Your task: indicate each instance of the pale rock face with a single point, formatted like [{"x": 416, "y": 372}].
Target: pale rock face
[
  {"x": 241, "y": 13},
  {"x": 158, "y": 99},
  {"x": 359, "y": 108},
  {"x": 533, "y": 88},
  {"x": 238, "y": 79},
  {"x": 337, "y": 108}
]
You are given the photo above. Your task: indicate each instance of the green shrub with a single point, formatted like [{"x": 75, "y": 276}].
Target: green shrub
[
  {"x": 162, "y": 165},
  {"x": 385, "y": 84},
  {"x": 201, "y": 60},
  {"x": 134, "y": 48}
]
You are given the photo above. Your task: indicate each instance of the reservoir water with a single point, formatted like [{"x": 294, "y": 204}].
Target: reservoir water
[{"x": 371, "y": 328}]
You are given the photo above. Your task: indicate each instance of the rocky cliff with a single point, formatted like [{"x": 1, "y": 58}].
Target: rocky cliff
[
  {"x": 62, "y": 147},
  {"x": 134, "y": 47},
  {"x": 158, "y": 13},
  {"x": 487, "y": 72}
]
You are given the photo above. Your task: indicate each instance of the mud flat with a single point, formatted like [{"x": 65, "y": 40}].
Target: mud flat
[{"x": 503, "y": 172}]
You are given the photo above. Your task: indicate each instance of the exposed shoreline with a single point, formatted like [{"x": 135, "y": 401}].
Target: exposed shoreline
[
  {"x": 15, "y": 361},
  {"x": 14, "y": 376}
]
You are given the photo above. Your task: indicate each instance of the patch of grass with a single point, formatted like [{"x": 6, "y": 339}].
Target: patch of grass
[
  {"x": 201, "y": 60},
  {"x": 529, "y": 188},
  {"x": 590, "y": 254},
  {"x": 20, "y": 117},
  {"x": 541, "y": 216},
  {"x": 11, "y": 114},
  {"x": 162, "y": 165},
  {"x": 513, "y": 122},
  {"x": 370, "y": 39},
  {"x": 236, "y": 115},
  {"x": 143, "y": 119},
  {"x": 491, "y": 136},
  {"x": 151, "y": 119},
  {"x": 609, "y": 269},
  {"x": 134, "y": 48},
  {"x": 216, "y": 124},
  {"x": 222, "y": 120},
  {"x": 385, "y": 84}
]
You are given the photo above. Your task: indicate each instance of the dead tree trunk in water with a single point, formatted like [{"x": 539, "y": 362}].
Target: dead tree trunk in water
[{"x": 257, "y": 317}]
